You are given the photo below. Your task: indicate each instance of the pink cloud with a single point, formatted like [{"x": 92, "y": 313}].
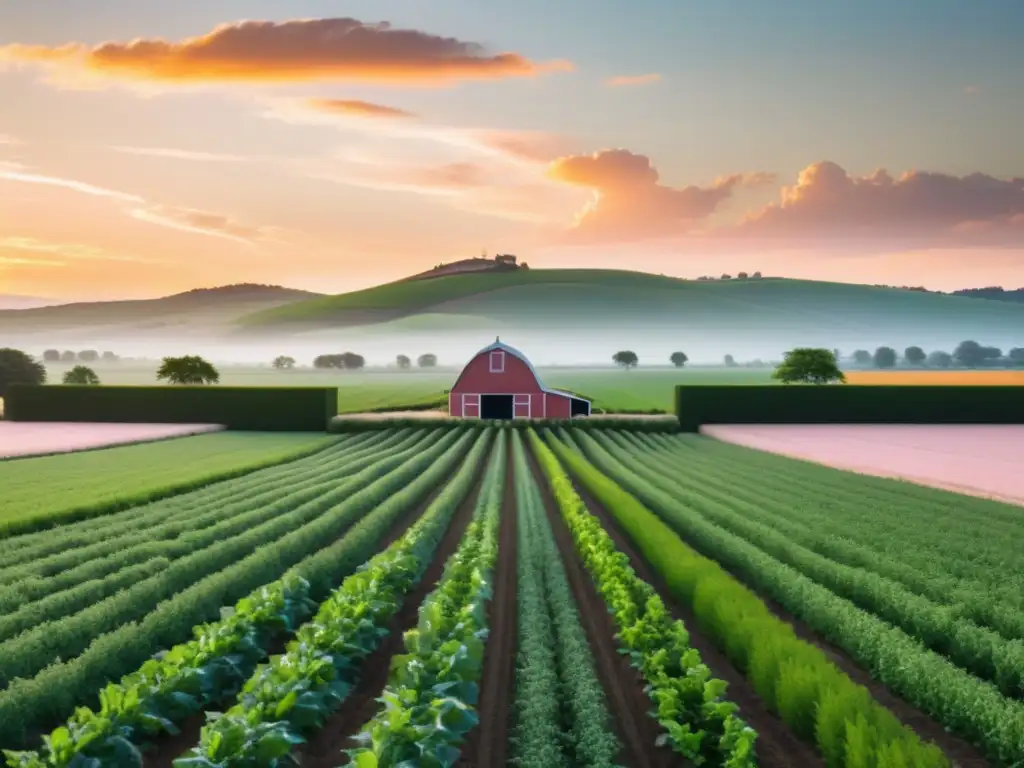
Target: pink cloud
[{"x": 626, "y": 80}]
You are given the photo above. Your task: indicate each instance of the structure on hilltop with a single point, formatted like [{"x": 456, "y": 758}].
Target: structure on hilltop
[
  {"x": 502, "y": 262},
  {"x": 500, "y": 383}
]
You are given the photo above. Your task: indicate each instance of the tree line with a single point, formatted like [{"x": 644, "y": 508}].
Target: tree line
[
  {"x": 85, "y": 356},
  {"x": 350, "y": 361},
  {"x": 968, "y": 354}
]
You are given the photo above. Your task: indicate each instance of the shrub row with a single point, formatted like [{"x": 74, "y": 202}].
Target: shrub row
[
  {"x": 797, "y": 681},
  {"x": 295, "y": 692},
  {"x": 561, "y": 712},
  {"x": 437, "y": 679}
]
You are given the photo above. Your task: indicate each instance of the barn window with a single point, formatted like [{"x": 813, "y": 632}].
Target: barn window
[{"x": 497, "y": 362}]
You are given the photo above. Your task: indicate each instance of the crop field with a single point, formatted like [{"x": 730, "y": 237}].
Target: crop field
[
  {"x": 490, "y": 596},
  {"x": 939, "y": 378},
  {"x": 40, "y": 491}
]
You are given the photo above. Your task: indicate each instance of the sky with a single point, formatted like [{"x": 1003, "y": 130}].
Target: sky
[{"x": 149, "y": 148}]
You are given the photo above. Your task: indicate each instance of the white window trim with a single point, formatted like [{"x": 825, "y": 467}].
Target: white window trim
[
  {"x": 490, "y": 361},
  {"x": 518, "y": 400},
  {"x": 473, "y": 400}
]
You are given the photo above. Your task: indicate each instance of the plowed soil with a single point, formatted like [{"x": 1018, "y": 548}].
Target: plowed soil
[
  {"x": 777, "y": 746},
  {"x": 487, "y": 744},
  {"x": 325, "y": 747},
  {"x": 623, "y": 685}
]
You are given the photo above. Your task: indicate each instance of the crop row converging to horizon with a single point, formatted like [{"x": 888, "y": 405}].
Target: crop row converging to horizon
[{"x": 476, "y": 595}]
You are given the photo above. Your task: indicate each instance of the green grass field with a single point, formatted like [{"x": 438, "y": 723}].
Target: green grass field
[
  {"x": 611, "y": 389},
  {"x": 38, "y": 491}
]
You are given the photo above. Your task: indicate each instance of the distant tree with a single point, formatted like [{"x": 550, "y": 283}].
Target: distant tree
[
  {"x": 726, "y": 277},
  {"x": 351, "y": 361},
  {"x": 16, "y": 367},
  {"x": 837, "y": 354},
  {"x": 81, "y": 374},
  {"x": 109, "y": 357},
  {"x": 742, "y": 275},
  {"x": 426, "y": 361},
  {"x": 730, "y": 361},
  {"x": 67, "y": 356},
  {"x": 189, "y": 369},
  {"x": 885, "y": 357},
  {"x": 1016, "y": 355},
  {"x": 969, "y": 354},
  {"x": 940, "y": 359},
  {"x": 283, "y": 362},
  {"x": 679, "y": 359},
  {"x": 809, "y": 366},
  {"x": 914, "y": 355},
  {"x": 626, "y": 359},
  {"x": 403, "y": 361},
  {"x": 862, "y": 357},
  {"x": 88, "y": 355},
  {"x": 327, "y": 361},
  {"x": 756, "y": 275},
  {"x": 989, "y": 354},
  {"x": 51, "y": 355}
]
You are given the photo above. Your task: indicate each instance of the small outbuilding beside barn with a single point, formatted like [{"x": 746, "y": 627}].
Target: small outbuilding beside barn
[{"x": 500, "y": 383}]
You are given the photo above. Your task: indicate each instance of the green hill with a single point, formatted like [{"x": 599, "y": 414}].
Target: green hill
[{"x": 610, "y": 300}]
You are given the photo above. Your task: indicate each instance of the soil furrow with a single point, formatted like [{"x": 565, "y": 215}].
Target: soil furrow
[
  {"x": 324, "y": 748},
  {"x": 487, "y": 744},
  {"x": 627, "y": 703},
  {"x": 777, "y": 745}
]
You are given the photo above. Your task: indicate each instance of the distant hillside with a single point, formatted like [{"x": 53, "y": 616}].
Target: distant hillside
[
  {"x": 609, "y": 301},
  {"x": 8, "y": 301},
  {"x": 200, "y": 310},
  {"x": 995, "y": 294}
]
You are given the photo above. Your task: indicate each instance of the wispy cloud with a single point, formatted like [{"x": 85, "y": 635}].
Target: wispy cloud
[
  {"x": 357, "y": 108},
  {"x": 625, "y": 80},
  {"x": 174, "y": 217},
  {"x": 69, "y": 251},
  {"x": 8, "y": 140},
  {"x": 186, "y": 154},
  {"x": 299, "y": 50}
]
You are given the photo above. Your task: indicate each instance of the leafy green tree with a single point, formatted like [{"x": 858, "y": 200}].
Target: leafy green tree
[
  {"x": 189, "y": 369},
  {"x": 862, "y": 357},
  {"x": 914, "y": 355},
  {"x": 283, "y": 362},
  {"x": 809, "y": 366},
  {"x": 969, "y": 354},
  {"x": 940, "y": 359},
  {"x": 17, "y": 367},
  {"x": 626, "y": 359},
  {"x": 81, "y": 374},
  {"x": 351, "y": 361},
  {"x": 679, "y": 359},
  {"x": 885, "y": 357},
  {"x": 403, "y": 361},
  {"x": 426, "y": 361}
]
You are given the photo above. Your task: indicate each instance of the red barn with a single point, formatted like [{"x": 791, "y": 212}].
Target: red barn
[{"x": 500, "y": 383}]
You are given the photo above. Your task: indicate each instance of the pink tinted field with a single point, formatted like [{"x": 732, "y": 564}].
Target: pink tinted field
[
  {"x": 978, "y": 460},
  {"x": 29, "y": 438}
]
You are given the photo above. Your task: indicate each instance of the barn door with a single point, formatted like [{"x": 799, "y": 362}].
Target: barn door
[
  {"x": 471, "y": 406},
  {"x": 521, "y": 406}
]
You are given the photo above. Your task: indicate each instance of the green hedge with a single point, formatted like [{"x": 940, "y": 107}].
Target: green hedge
[
  {"x": 265, "y": 409},
  {"x": 848, "y": 404}
]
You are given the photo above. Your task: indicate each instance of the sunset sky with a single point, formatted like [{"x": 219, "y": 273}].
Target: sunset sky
[{"x": 148, "y": 148}]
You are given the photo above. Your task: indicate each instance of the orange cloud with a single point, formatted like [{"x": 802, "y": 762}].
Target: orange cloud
[
  {"x": 629, "y": 203},
  {"x": 201, "y": 222},
  {"x": 301, "y": 50},
  {"x": 623, "y": 80},
  {"x": 917, "y": 209},
  {"x": 356, "y": 108}
]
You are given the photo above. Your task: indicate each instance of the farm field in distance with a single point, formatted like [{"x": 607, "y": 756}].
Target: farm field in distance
[{"x": 778, "y": 613}]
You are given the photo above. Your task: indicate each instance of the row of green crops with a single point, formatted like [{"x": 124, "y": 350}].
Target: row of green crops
[
  {"x": 658, "y": 424},
  {"x": 940, "y": 627},
  {"x": 32, "y": 704},
  {"x": 170, "y": 687},
  {"x": 44, "y": 491},
  {"x": 690, "y": 704},
  {"x": 964, "y": 704},
  {"x": 794, "y": 678},
  {"x": 562, "y": 716},
  {"x": 210, "y": 550},
  {"x": 295, "y": 692},
  {"x": 966, "y": 557},
  {"x": 430, "y": 698}
]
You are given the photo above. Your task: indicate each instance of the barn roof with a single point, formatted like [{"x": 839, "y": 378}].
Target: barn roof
[{"x": 498, "y": 344}]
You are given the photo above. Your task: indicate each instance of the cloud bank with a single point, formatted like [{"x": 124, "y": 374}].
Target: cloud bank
[{"x": 300, "y": 50}]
